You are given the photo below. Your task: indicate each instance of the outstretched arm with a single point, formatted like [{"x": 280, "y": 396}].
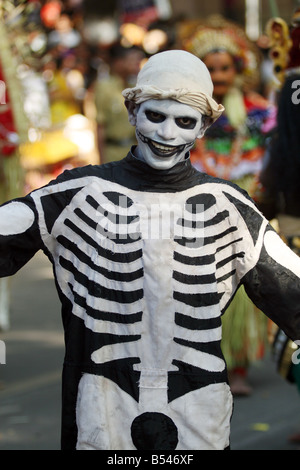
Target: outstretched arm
[{"x": 274, "y": 284}]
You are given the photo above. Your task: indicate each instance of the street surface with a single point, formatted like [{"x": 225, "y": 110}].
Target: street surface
[{"x": 30, "y": 380}]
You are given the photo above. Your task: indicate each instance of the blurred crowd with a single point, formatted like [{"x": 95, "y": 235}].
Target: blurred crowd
[
  {"x": 76, "y": 115},
  {"x": 72, "y": 75}
]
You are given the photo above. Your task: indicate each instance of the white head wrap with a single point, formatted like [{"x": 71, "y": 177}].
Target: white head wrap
[{"x": 176, "y": 75}]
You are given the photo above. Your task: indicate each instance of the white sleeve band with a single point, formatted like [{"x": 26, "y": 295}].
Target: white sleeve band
[
  {"x": 280, "y": 252},
  {"x": 15, "y": 218}
]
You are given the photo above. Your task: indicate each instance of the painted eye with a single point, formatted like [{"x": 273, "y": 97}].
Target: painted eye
[
  {"x": 186, "y": 122},
  {"x": 154, "y": 116}
]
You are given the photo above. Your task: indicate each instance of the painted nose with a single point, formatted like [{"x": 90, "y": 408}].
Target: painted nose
[{"x": 167, "y": 130}]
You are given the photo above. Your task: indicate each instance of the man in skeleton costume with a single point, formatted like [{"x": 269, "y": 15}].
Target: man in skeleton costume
[{"x": 147, "y": 254}]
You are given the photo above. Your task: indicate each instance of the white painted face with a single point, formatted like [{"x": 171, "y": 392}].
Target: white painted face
[{"x": 166, "y": 130}]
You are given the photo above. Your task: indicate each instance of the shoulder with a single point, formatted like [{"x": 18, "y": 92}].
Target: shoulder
[
  {"x": 77, "y": 173},
  {"x": 221, "y": 185},
  {"x": 81, "y": 175}
]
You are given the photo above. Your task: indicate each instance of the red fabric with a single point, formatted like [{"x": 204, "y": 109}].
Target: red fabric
[
  {"x": 6, "y": 121},
  {"x": 295, "y": 50},
  {"x": 240, "y": 371}
]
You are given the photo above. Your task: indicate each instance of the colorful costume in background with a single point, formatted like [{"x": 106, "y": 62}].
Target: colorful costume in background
[
  {"x": 232, "y": 153},
  {"x": 63, "y": 102},
  {"x": 233, "y": 148}
]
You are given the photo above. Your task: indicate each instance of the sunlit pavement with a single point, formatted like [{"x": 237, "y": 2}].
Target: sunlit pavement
[
  {"x": 266, "y": 419},
  {"x": 30, "y": 381},
  {"x": 30, "y": 390}
]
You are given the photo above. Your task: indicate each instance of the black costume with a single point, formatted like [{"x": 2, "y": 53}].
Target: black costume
[
  {"x": 146, "y": 262},
  {"x": 280, "y": 176}
]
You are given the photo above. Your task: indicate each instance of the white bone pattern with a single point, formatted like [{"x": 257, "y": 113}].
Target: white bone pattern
[{"x": 114, "y": 273}]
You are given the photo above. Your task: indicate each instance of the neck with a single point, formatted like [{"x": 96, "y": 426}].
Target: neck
[{"x": 138, "y": 154}]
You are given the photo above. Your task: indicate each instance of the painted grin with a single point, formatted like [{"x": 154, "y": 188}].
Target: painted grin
[{"x": 162, "y": 150}]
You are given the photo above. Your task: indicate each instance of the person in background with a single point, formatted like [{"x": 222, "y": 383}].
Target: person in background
[
  {"x": 281, "y": 171},
  {"x": 115, "y": 135},
  {"x": 233, "y": 148},
  {"x": 63, "y": 101},
  {"x": 279, "y": 180}
]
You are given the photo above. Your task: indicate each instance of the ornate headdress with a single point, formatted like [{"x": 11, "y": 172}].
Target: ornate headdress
[
  {"x": 219, "y": 34},
  {"x": 284, "y": 45}
]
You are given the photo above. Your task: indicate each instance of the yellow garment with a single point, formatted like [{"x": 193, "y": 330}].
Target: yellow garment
[
  {"x": 245, "y": 332},
  {"x": 63, "y": 104},
  {"x": 235, "y": 108},
  {"x": 53, "y": 147}
]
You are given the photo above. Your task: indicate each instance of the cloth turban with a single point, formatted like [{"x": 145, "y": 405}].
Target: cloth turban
[{"x": 176, "y": 75}]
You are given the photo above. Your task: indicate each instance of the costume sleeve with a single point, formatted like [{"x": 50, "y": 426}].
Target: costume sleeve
[
  {"x": 274, "y": 284},
  {"x": 19, "y": 234}
]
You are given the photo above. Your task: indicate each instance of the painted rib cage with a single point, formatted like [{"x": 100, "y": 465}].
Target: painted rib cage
[{"x": 101, "y": 268}]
